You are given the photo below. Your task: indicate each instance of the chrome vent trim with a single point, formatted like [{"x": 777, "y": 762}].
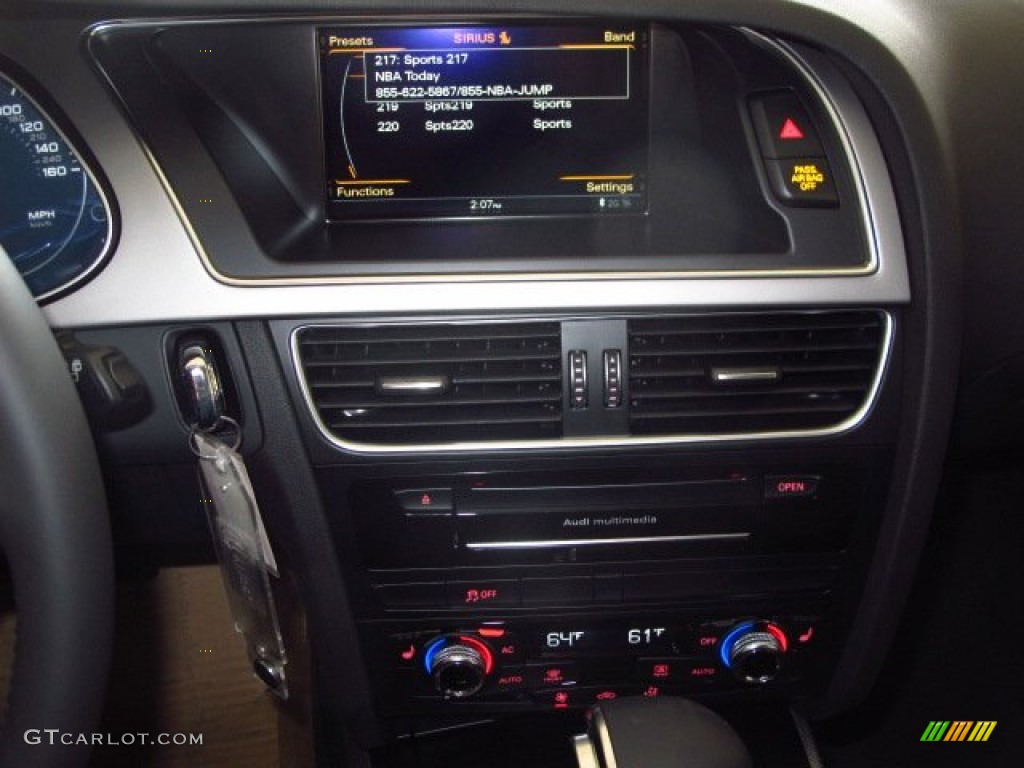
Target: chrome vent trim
[
  {"x": 599, "y": 441},
  {"x": 763, "y": 372},
  {"x": 434, "y": 383}
]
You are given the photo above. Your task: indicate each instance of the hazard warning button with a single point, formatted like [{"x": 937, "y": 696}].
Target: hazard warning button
[{"x": 783, "y": 126}]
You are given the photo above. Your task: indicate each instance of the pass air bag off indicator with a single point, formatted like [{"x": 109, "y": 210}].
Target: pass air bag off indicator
[
  {"x": 485, "y": 121},
  {"x": 803, "y": 181}
]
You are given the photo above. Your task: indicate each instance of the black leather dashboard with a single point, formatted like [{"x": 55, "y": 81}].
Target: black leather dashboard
[{"x": 207, "y": 121}]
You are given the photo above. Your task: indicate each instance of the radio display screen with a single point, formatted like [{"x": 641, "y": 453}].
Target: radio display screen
[{"x": 485, "y": 121}]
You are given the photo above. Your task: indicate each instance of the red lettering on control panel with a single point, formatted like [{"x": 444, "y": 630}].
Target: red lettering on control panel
[
  {"x": 791, "y": 487},
  {"x": 425, "y": 500},
  {"x": 480, "y": 595},
  {"x": 607, "y": 695},
  {"x": 707, "y": 642},
  {"x": 652, "y": 692},
  {"x": 554, "y": 675},
  {"x": 510, "y": 680},
  {"x": 561, "y": 700},
  {"x": 661, "y": 670},
  {"x": 508, "y": 650},
  {"x": 703, "y": 672}
]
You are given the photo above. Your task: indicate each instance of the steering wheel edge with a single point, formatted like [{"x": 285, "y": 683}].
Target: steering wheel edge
[{"x": 55, "y": 533}]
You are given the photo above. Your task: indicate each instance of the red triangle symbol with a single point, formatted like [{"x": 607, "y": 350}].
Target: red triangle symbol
[{"x": 790, "y": 130}]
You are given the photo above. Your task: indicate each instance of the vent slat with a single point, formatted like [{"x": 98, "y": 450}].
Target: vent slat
[
  {"x": 768, "y": 347},
  {"x": 425, "y": 333},
  {"x": 823, "y": 365},
  {"x": 666, "y": 393},
  {"x": 670, "y": 370},
  {"x": 747, "y": 410},
  {"x": 369, "y": 400},
  {"x": 403, "y": 356},
  {"x": 502, "y": 381},
  {"x": 754, "y": 324},
  {"x": 547, "y": 370},
  {"x": 433, "y": 419},
  {"x": 330, "y": 383}
]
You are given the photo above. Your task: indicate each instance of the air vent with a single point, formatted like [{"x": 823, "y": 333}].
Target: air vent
[
  {"x": 751, "y": 373},
  {"x": 434, "y": 384}
]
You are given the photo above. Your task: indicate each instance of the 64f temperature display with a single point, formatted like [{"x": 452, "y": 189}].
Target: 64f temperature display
[{"x": 485, "y": 121}]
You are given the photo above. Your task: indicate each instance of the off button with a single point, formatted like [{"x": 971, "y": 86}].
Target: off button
[
  {"x": 803, "y": 181},
  {"x": 483, "y": 594}
]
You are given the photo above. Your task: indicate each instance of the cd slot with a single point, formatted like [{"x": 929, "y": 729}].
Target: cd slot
[
  {"x": 505, "y": 519},
  {"x": 550, "y": 518},
  {"x": 734, "y": 490},
  {"x": 585, "y": 526}
]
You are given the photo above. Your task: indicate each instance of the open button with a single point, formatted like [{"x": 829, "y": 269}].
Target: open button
[{"x": 791, "y": 486}]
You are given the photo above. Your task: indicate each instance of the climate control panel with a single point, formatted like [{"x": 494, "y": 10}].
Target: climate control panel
[{"x": 565, "y": 663}]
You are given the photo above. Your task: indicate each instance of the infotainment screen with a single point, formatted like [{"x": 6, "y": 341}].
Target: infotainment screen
[{"x": 485, "y": 121}]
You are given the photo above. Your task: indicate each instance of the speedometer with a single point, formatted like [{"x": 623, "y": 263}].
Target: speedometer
[{"x": 56, "y": 221}]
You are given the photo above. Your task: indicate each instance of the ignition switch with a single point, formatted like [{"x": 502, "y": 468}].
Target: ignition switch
[
  {"x": 202, "y": 384},
  {"x": 202, "y": 379}
]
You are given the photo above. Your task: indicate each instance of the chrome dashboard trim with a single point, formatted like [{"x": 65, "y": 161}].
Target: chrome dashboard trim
[
  {"x": 177, "y": 258},
  {"x": 349, "y": 446}
]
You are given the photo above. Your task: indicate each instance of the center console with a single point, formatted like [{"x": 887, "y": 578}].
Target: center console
[
  {"x": 594, "y": 331},
  {"x": 557, "y": 588}
]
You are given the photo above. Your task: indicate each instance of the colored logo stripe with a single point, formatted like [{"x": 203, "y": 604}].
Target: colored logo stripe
[
  {"x": 982, "y": 730},
  {"x": 958, "y": 730}
]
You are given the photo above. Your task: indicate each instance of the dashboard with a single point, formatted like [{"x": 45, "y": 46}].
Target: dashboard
[{"x": 574, "y": 355}]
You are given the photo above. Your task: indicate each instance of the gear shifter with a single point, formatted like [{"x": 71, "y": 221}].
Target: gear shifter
[{"x": 658, "y": 733}]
